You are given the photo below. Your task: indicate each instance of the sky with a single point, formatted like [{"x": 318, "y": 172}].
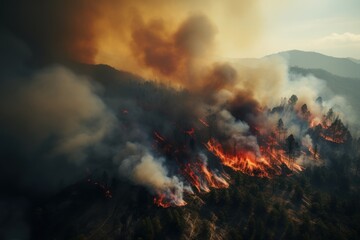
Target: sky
[
  {"x": 331, "y": 27},
  {"x": 127, "y": 33},
  {"x": 248, "y": 29}
]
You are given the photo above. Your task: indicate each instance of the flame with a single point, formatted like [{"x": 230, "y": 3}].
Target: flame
[
  {"x": 168, "y": 199},
  {"x": 245, "y": 161},
  {"x": 269, "y": 163},
  {"x": 280, "y": 157},
  {"x": 202, "y": 178},
  {"x": 161, "y": 202},
  {"x": 315, "y": 122},
  {"x": 333, "y": 139}
]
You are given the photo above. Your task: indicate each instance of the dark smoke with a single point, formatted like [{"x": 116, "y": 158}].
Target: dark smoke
[
  {"x": 54, "y": 30},
  {"x": 173, "y": 53}
]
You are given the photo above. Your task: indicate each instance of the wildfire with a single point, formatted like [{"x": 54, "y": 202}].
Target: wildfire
[
  {"x": 196, "y": 171},
  {"x": 245, "y": 162},
  {"x": 168, "y": 199},
  {"x": 272, "y": 150},
  {"x": 160, "y": 201},
  {"x": 280, "y": 157},
  {"x": 270, "y": 163},
  {"x": 315, "y": 122},
  {"x": 202, "y": 178},
  {"x": 333, "y": 139}
]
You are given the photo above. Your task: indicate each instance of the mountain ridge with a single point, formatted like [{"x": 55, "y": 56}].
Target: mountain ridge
[{"x": 344, "y": 67}]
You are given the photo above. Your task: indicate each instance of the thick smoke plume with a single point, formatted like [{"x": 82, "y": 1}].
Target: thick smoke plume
[
  {"x": 55, "y": 103},
  {"x": 140, "y": 166},
  {"x": 113, "y": 31}
]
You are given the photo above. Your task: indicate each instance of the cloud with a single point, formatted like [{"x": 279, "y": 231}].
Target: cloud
[
  {"x": 335, "y": 44},
  {"x": 344, "y": 38}
]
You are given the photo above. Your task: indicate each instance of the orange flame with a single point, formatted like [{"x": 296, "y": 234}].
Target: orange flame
[
  {"x": 202, "y": 178},
  {"x": 160, "y": 201},
  {"x": 270, "y": 163},
  {"x": 334, "y": 139},
  {"x": 168, "y": 200},
  {"x": 245, "y": 162}
]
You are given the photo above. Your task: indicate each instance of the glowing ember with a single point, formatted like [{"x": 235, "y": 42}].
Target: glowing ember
[
  {"x": 160, "y": 201},
  {"x": 159, "y": 137},
  {"x": 203, "y": 122},
  {"x": 333, "y": 139},
  {"x": 190, "y": 132},
  {"x": 166, "y": 200},
  {"x": 106, "y": 191}
]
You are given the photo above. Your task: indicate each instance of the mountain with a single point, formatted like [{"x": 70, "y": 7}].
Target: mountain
[
  {"x": 317, "y": 203},
  {"x": 341, "y": 75},
  {"x": 321, "y": 202},
  {"x": 342, "y": 86},
  {"x": 344, "y": 67},
  {"x": 354, "y": 60}
]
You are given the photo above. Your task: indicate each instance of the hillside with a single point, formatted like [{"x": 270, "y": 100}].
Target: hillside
[
  {"x": 321, "y": 202},
  {"x": 343, "y": 67},
  {"x": 280, "y": 200},
  {"x": 342, "y": 86},
  {"x": 317, "y": 204}
]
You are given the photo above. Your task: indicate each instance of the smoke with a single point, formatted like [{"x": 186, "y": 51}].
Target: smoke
[
  {"x": 140, "y": 166},
  {"x": 113, "y": 30},
  {"x": 68, "y": 116},
  {"x": 172, "y": 54},
  {"x": 236, "y": 132},
  {"x": 55, "y": 103},
  {"x": 54, "y": 30},
  {"x": 173, "y": 23}
]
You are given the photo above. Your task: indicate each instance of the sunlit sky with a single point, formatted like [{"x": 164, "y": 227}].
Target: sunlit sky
[{"x": 330, "y": 27}]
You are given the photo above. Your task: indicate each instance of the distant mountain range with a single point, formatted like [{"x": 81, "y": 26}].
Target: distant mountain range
[
  {"x": 344, "y": 67},
  {"x": 342, "y": 75}
]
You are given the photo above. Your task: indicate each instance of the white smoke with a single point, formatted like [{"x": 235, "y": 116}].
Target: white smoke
[{"x": 140, "y": 166}]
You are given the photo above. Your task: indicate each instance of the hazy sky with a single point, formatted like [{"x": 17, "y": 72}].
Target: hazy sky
[{"x": 328, "y": 26}]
